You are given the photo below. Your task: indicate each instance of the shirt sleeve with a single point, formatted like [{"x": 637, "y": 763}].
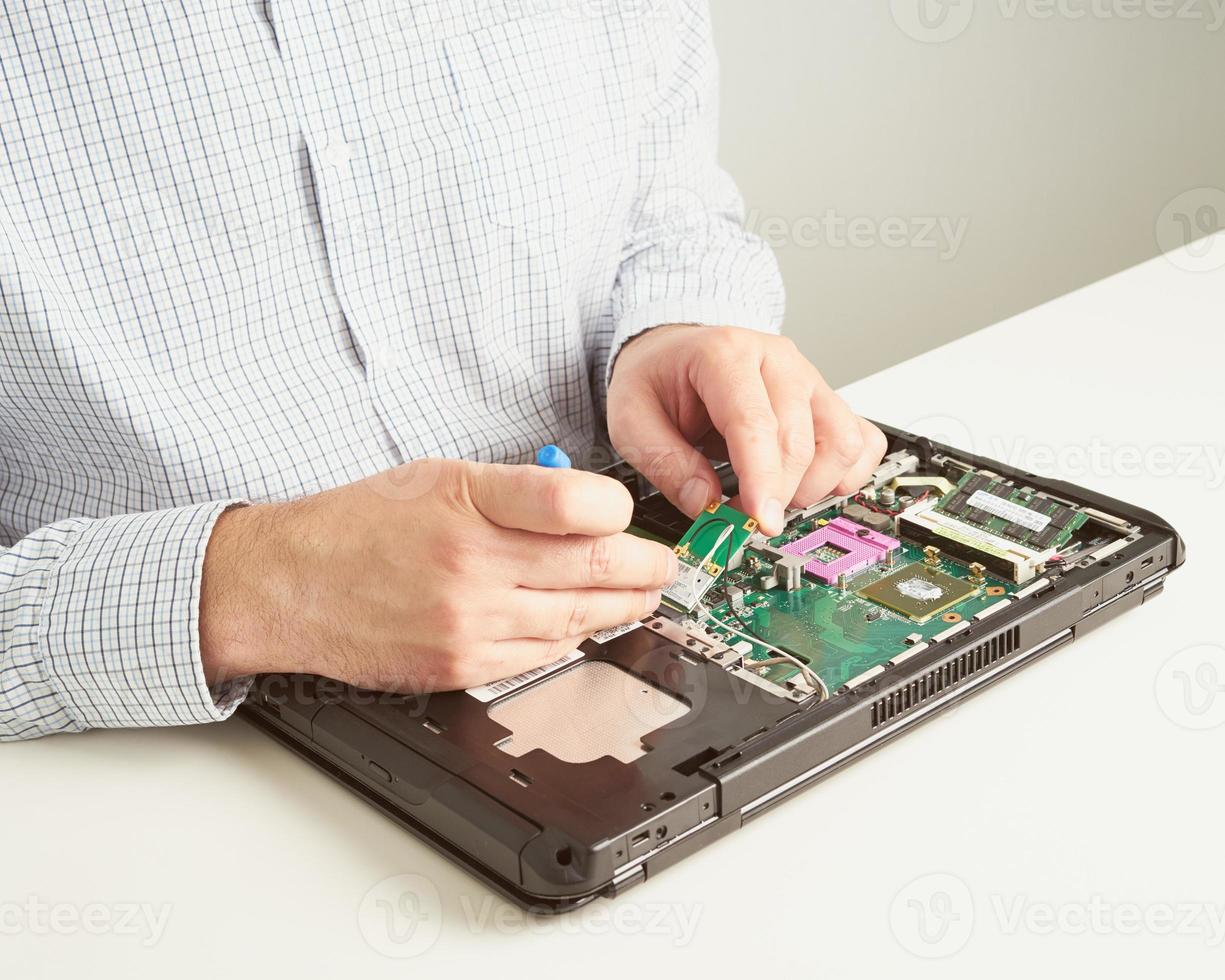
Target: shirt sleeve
[
  {"x": 99, "y": 625},
  {"x": 687, "y": 256}
]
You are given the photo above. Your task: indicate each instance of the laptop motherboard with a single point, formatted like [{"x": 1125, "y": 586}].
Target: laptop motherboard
[{"x": 858, "y": 582}]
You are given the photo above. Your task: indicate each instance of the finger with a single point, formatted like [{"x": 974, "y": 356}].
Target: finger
[
  {"x": 553, "y": 615},
  {"x": 651, "y": 443},
  {"x": 789, "y": 385},
  {"x": 509, "y": 658},
  {"x": 619, "y": 561},
  {"x": 735, "y": 396},
  {"x": 532, "y": 498},
  {"x": 839, "y": 444},
  {"x": 875, "y": 444}
]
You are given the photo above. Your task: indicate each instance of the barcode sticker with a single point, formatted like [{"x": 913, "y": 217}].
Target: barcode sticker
[
  {"x": 487, "y": 692},
  {"x": 604, "y": 636},
  {"x": 1009, "y": 511}
]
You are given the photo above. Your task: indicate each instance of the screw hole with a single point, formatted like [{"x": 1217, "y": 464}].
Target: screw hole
[
  {"x": 565, "y": 857},
  {"x": 648, "y": 807},
  {"x": 668, "y": 796}
]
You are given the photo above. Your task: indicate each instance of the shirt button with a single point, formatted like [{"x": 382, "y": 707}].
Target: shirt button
[{"x": 336, "y": 154}]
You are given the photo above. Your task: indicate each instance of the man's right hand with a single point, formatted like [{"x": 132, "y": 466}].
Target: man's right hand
[{"x": 437, "y": 575}]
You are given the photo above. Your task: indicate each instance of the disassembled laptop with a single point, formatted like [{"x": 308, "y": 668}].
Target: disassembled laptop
[{"x": 772, "y": 662}]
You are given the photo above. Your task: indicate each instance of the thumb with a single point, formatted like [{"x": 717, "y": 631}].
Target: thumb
[{"x": 532, "y": 498}]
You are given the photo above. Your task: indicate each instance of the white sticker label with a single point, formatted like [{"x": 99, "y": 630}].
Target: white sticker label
[
  {"x": 1009, "y": 511},
  {"x": 604, "y": 636},
  {"x": 487, "y": 692}
]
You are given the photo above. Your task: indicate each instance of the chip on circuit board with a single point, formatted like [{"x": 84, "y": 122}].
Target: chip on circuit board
[
  {"x": 840, "y": 548},
  {"x": 918, "y": 591}
]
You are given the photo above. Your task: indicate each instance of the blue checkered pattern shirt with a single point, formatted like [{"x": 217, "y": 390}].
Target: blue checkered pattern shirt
[{"x": 254, "y": 249}]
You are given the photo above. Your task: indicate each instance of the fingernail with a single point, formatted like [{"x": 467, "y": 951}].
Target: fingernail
[
  {"x": 772, "y": 516},
  {"x": 695, "y": 496},
  {"x": 654, "y": 598}
]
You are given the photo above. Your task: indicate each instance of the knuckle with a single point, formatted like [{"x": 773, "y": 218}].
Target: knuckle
[
  {"x": 449, "y": 620},
  {"x": 724, "y": 347},
  {"x": 459, "y": 485},
  {"x": 459, "y": 557},
  {"x": 724, "y": 336},
  {"x": 756, "y": 424},
  {"x": 600, "y": 559},
  {"x": 578, "y": 616},
  {"x": 848, "y": 446},
  {"x": 452, "y": 672},
  {"x": 798, "y": 448},
  {"x": 785, "y": 346}
]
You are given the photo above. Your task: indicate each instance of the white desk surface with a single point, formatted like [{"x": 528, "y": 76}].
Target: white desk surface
[{"x": 1065, "y": 820}]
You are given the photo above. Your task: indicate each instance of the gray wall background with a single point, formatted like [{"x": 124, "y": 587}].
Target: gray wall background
[{"x": 929, "y": 167}]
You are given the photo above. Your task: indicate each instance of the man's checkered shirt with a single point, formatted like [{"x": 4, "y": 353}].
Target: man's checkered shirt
[{"x": 254, "y": 249}]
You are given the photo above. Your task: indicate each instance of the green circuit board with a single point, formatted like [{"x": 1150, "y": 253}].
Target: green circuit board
[
  {"x": 838, "y": 633},
  {"x": 719, "y": 531}
]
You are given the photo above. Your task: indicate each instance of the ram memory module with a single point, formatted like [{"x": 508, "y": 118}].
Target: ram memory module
[{"x": 1002, "y": 509}]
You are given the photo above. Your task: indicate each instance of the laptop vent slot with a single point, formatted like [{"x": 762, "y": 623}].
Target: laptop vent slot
[{"x": 952, "y": 672}]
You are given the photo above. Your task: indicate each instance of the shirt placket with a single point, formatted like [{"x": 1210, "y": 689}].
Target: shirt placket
[{"x": 333, "y": 90}]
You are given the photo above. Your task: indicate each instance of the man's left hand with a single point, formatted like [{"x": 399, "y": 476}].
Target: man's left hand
[{"x": 743, "y": 396}]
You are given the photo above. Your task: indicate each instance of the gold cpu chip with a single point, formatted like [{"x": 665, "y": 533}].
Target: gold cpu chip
[{"x": 918, "y": 592}]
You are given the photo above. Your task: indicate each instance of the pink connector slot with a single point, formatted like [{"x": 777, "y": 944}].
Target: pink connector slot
[{"x": 842, "y": 547}]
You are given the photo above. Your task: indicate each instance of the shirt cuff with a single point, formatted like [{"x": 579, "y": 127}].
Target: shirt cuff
[
  {"x": 705, "y": 312},
  {"x": 120, "y": 632}
]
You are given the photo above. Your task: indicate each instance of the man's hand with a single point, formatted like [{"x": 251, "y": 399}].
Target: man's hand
[
  {"x": 743, "y": 396},
  {"x": 437, "y": 575}
]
